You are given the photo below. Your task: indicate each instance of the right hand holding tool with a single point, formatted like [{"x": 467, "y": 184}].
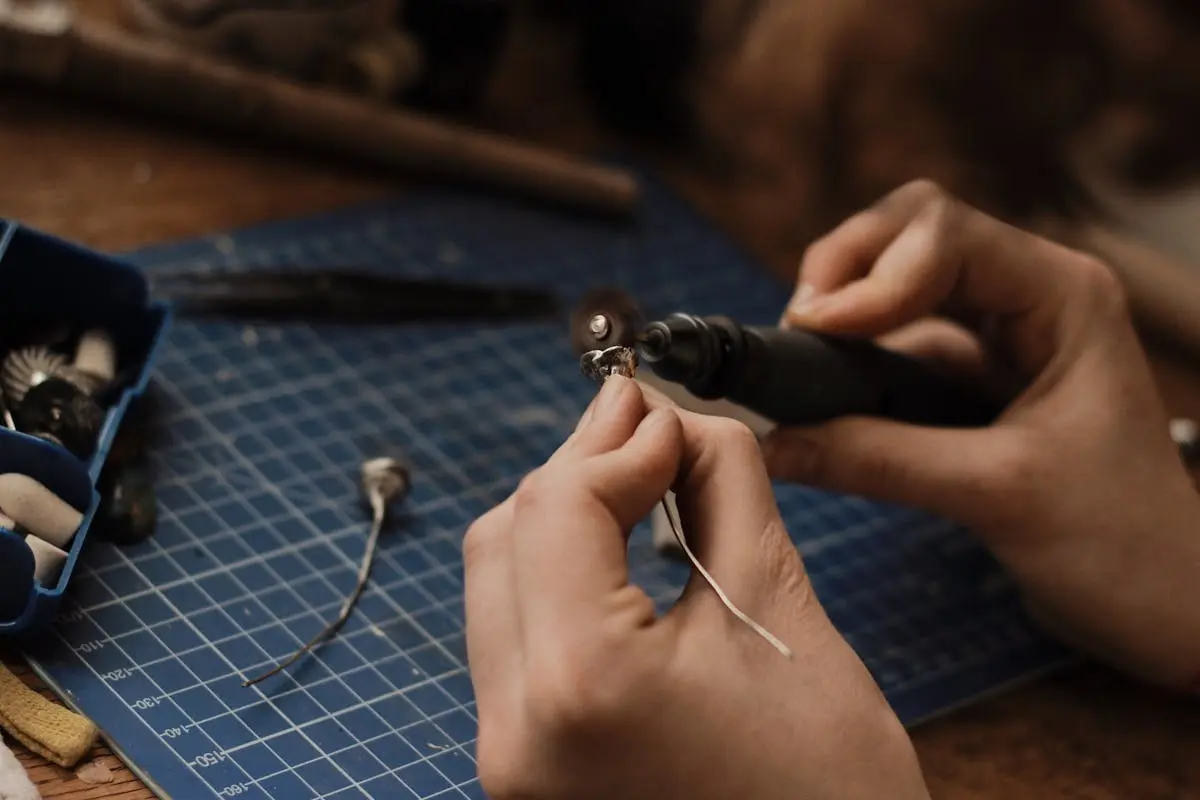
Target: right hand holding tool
[{"x": 1077, "y": 488}]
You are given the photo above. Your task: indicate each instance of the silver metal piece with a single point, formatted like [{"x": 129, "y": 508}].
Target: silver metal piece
[
  {"x": 615, "y": 360},
  {"x": 386, "y": 479},
  {"x": 600, "y": 326},
  {"x": 1186, "y": 435},
  {"x": 23, "y": 369}
]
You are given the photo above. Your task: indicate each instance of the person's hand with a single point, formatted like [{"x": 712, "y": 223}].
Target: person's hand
[
  {"x": 1077, "y": 489},
  {"x": 584, "y": 692}
]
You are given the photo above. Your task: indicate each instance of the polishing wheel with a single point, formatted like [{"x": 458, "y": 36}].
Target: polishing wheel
[{"x": 623, "y": 316}]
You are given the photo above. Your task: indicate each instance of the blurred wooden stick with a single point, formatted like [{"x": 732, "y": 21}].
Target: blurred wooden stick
[
  {"x": 1164, "y": 294},
  {"x": 46, "y": 45}
]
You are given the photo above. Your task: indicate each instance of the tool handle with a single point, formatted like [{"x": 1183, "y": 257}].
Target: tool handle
[
  {"x": 107, "y": 64},
  {"x": 796, "y": 377}
]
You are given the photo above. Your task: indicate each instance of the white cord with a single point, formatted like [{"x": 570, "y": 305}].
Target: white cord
[
  {"x": 773, "y": 640},
  {"x": 620, "y": 360}
]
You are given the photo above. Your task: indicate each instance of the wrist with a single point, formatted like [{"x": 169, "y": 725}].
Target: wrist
[{"x": 1141, "y": 613}]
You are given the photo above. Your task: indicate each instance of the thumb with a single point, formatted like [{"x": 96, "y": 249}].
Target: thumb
[
  {"x": 952, "y": 473},
  {"x": 632, "y": 479}
]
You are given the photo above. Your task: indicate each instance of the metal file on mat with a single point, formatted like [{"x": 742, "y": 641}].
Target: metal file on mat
[{"x": 346, "y": 296}]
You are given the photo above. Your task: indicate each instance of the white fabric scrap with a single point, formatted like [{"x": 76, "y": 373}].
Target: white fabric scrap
[{"x": 14, "y": 781}]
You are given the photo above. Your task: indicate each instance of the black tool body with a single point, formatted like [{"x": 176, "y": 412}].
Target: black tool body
[{"x": 796, "y": 377}]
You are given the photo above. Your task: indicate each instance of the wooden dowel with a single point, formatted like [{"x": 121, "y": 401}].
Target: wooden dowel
[
  {"x": 1164, "y": 295},
  {"x": 108, "y": 64}
]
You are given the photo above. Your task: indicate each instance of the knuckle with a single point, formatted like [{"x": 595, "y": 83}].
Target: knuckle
[
  {"x": 531, "y": 492},
  {"x": 923, "y": 191},
  {"x": 1103, "y": 288},
  {"x": 577, "y": 691},
  {"x": 941, "y": 218},
  {"x": 1015, "y": 474},
  {"x": 503, "y": 773},
  {"x": 947, "y": 213},
  {"x": 479, "y": 541},
  {"x": 733, "y": 437},
  {"x": 942, "y": 214},
  {"x": 818, "y": 251},
  {"x": 572, "y": 701}
]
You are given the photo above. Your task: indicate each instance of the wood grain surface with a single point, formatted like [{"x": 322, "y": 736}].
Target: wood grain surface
[{"x": 115, "y": 182}]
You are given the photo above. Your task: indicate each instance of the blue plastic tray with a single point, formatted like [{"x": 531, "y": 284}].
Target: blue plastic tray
[{"x": 47, "y": 281}]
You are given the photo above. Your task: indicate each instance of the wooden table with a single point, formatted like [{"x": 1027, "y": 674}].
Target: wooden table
[{"x": 116, "y": 183}]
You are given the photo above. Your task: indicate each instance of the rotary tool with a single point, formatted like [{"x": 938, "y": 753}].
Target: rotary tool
[
  {"x": 789, "y": 376},
  {"x": 797, "y": 377}
]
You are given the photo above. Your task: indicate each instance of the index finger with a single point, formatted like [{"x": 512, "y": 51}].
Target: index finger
[
  {"x": 849, "y": 251},
  {"x": 948, "y": 254}
]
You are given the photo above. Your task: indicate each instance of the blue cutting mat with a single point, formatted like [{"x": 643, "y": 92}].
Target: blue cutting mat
[{"x": 260, "y": 435}]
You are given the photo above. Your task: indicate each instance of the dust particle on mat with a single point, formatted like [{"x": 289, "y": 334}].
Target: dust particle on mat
[{"x": 249, "y": 337}]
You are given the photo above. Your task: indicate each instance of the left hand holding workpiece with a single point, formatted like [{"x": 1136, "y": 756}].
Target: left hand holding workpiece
[{"x": 583, "y": 691}]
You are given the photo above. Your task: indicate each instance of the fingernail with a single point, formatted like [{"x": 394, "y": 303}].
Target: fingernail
[
  {"x": 610, "y": 395},
  {"x": 802, "y": 302}
]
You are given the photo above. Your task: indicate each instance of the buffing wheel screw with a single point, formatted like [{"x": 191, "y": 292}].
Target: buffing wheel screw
[
  {"x": 599, "y": 326},
  {"x": 1186, "y": 434}
]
